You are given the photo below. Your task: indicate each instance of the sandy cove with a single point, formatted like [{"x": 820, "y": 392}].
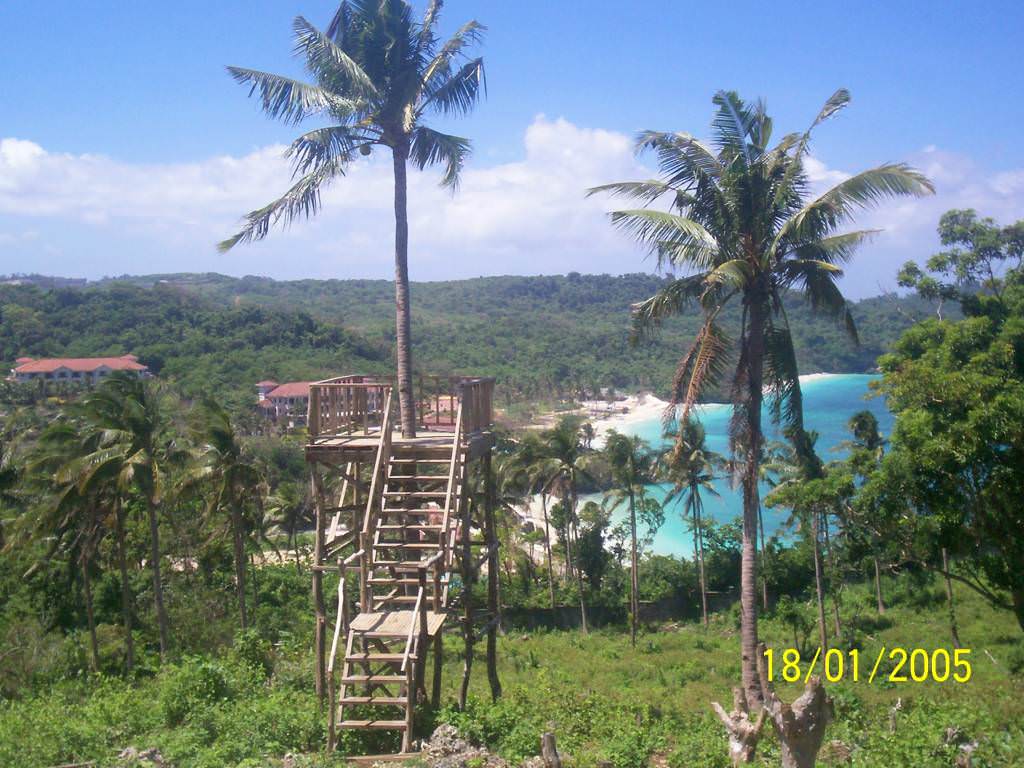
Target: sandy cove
[{"x": 620, "y": 416}]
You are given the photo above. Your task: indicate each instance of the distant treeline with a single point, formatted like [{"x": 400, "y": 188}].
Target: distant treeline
[{"x": 540, "y": 336}]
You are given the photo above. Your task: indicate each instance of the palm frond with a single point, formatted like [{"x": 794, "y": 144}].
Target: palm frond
[
  {"x": 821, "y": 216},
  {"x": 303, "y": 199},
  {"x": 326, "y": 60},
  {"x": 648, "y": 191},
  {"x": 333, "y": 143},
  {"x": 782, "y": 376},
  {"x": 681, "y": 157},
  {"x": 440, "y": 66},
  {"x": 701, "y": 367},
  {"x": 732, "y": 124},
  {"x": 661, "y": 231},
  {"x": 668, "y": 302},
  {"x": 292, "y": 101},
  {"x": 430, "y": 147},
  {"x": 459, "y": 93},
  {"x": 837, "y": 248}
]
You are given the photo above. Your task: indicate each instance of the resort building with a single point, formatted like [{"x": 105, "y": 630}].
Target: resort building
[
  {"x": 84, "y": 370},
  {"x": 284, "y": 403}
]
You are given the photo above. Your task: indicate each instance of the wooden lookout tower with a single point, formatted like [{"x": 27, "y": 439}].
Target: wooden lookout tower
[{"x": 396, "y": 520}]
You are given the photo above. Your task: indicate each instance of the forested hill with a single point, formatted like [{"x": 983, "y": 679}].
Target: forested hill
[{"x": 538, "y": 335}]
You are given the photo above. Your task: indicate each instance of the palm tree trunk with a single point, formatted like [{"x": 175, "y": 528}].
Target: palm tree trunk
[
  {"x": 878, "y": 588},
  {"x": 158, "y": 585},
  {"x": 819, "y": 585},
  {"x": 835, "y": 584},
  {"x": 126, "y": 595},
  {"x": 94, "y": 661},
  {"x": 754, "y": 343},
  {"x": 949, "y": 599},
  {"x": 764, "y": 573},
  {"x": 579, "y": 573},
  {"x": 699, "y": 534},
  {"x": 547, "y": 547},
  {"x": 633, "y": 583},
  {"x": 239, "y": 547},
  {"x": 403, "y": 321}
]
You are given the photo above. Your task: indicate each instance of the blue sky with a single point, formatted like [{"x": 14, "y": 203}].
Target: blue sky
[{"x": 128, "y": 149}]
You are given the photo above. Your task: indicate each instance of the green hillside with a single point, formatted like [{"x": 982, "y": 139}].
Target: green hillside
[{"x": 540, "y": 336}]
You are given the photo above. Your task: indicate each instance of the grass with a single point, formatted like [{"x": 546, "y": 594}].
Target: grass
[{"x": 604, "y": 700}]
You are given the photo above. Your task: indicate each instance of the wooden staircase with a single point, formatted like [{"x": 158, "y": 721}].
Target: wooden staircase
[{"x": 405, "y": 558}]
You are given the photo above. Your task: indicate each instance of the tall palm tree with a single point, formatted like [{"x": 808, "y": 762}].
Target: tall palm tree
[
  {"x": 690, "y": 467},
  {"x": 741, "y": 226},
  {"x": 125, "y": 425},
  {"x": 231, "y": 480},
  {"x": 562, "y": 462},
  {"x": 526, "y": 461},
  {"x": 377, "y": 73},
  {"x": 289, "y": 508},
  {"x": 632, "y": 468}
]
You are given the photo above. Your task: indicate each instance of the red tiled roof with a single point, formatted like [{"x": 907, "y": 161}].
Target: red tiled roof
[
  {"x": 21, "y": 360},
  {"x": 81, "y": 364},
  {"x": 291, "y": 389},
  {"x": 266, "y": 383},
  {"x": 265, "y": 404}
]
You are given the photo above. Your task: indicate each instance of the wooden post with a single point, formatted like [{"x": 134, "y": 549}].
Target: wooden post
[
  {"x": 320, "y": 627},
  {"x": 467, "y": 601},
  {"x": 492, "y": 579},
  {"x": 435, "y": 692}
]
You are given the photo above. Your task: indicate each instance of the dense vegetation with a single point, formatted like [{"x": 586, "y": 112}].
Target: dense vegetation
[{"x": 540, "y": 336}]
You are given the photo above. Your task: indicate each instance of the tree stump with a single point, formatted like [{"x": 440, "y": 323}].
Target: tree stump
[
  {"x": 800, "y": 725},
  {"x": 549, "y": 751},
  {"x": 744, "y": 733}
]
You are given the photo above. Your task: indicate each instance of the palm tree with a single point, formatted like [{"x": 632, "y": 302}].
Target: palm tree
[
  {"x": 741, "y": 226},
  {"x": 526, "y": 461},
  {"x": 690, "y": 467},
  {"x": 124, "y": 425},
  {"x": 230, "y": 478},
  {"x": 563, "y": 460},
  {"x": 632, "y": 469},
  {"x": 377, "y": 73},
  {"x": 289, "y": 509}
]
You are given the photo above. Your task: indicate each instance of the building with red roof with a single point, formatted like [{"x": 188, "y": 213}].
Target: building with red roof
[
  {"x": 88, "y": 370},
  {"x": 286, "y": 403}
]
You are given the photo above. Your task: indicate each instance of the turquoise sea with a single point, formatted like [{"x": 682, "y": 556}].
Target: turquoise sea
[{"x": 829, "y": 402}]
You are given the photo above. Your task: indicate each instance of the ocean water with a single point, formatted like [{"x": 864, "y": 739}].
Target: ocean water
[{"x": 829, "y": 402}]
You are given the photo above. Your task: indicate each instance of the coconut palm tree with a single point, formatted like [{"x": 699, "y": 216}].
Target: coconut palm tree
[
  {"x": 558, "y": 468},
  {"x": 289, "y": 509},
  {"x": 125, "y": 426},
  {"x": 525, "y": 464},
  {"x": 742, "y": 228},
  {"x": 229, "y": 479},
  {"x": 689, "y": 466},
  {"x": 377, "y": 74},
  {"x": 632, "y": 467}
]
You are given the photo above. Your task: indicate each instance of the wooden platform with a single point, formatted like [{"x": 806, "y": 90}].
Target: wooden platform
[
  {"x": 362, "y": 446},
  {"x": 395, "y": 623}
]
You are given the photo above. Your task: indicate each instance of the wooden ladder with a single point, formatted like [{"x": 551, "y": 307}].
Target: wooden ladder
[{"x": 405, "y": 562}]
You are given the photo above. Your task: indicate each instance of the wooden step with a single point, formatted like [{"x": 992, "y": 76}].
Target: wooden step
[
  {"x": 376, "y": 657},
  {"x": 383, "y": 701},
  {"x": 388, "y": 725},
  {"x": 397, "y": 599},
  {"x": 406, "y": 545},
  {"x": 409, "y": 527},
  {"x": 356, "y": 679},
  {"x": 397, "y": 757},
  {"x": 394, "y": 581},
  {"x": 419, "y": 511},
  {"x": 419, "y": 478},
  {"x": 402, "y": 460}
]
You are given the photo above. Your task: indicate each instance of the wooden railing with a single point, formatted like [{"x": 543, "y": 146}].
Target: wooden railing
[
  {"x": 373, "y": 502},
  {"x": 477, "y": 396},
  {"x": 345, "y": 405}
]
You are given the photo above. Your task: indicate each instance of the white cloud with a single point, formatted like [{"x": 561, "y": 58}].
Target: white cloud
[{"x": 93, "y": 215}]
